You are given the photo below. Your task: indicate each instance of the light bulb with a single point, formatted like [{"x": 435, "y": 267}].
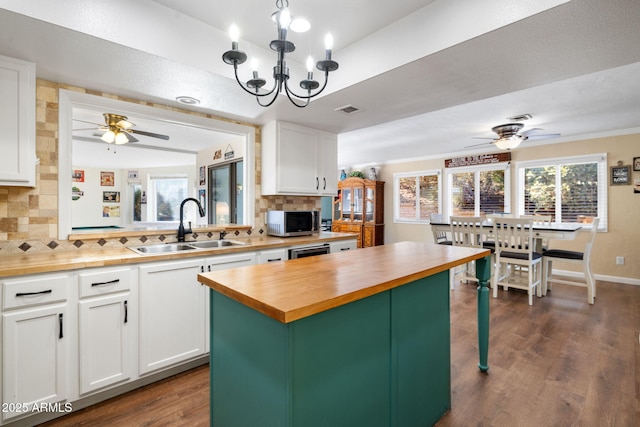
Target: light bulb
[
  {"x": 254, "y": 64},
  {"x": 234, "y": 33},
  {"x": 121, "y": 138},
  {"x": 285, "y": 18},
  {"x": 328, "y": 41},
  {"x": 309, "y": 63},
  {"x": 108, "y": 136}
]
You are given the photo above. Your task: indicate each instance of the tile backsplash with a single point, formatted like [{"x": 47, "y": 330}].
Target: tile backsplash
[{"x": 29, "y": 216}]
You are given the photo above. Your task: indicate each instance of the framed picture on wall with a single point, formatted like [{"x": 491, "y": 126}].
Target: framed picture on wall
[
  {"x": 621, "y": 175},
  {"x": 636, "y": 163},
  {"x": 107, "y": 179},
  {"x": 111, "y": 197}
]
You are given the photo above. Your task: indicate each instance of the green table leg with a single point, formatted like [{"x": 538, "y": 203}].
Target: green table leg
[{"x": 483, "y": 273}]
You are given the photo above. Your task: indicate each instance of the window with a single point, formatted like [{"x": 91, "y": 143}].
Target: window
[
  {"x": 226, "y": 190},
  {"x": 570, "y": 189},
  {"x": 416, "y": 196},
  {"x": 164, "y": 198},
  {"x": 478, "y": 190}
]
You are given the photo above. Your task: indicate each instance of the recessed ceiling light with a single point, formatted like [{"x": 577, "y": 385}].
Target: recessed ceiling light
[{"x": 188, "y": 100}]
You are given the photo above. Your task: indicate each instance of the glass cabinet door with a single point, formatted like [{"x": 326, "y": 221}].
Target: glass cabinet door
[
  {"x": 357, "y": 204},
  {"x": 369, "y": 211},
  {"x": 346, "y": 204}
]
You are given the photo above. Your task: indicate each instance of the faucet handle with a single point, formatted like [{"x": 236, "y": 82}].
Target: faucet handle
[{"x": 188, "y": 230}]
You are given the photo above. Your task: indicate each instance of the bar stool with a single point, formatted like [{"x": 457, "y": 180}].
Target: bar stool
[
  {"x": 466, "y": 231},
  {"x": 583, "y": 258}
]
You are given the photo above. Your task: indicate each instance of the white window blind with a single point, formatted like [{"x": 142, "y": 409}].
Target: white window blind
[
  {"x": 478, "y": 190},
  {"x": 417, "y": 195}
]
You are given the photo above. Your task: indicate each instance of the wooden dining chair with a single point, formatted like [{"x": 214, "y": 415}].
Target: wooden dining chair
[
  {"x": 439, "y": 237},
  {"x": 466, "y": 231},
  {"x": 539, "y": 220},
  {"x": 583, "y": 258},
  {"x": 514, "y": 243}
]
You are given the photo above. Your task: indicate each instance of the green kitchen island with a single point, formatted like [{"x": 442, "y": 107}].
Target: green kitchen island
[{"x": 351, "y": 339}]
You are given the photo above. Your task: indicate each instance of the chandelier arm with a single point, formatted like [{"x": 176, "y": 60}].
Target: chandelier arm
[
  {"x": 250, "y": 92},
  {"x": 307, "y": 97},
  {"x": 275, "y": 96},
  {"x": 293, "y": 101}
]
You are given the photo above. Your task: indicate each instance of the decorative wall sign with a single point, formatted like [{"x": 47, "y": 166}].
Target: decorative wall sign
[
  {"x": 107, "y": 179},
  {"x": 636, "y": 163},
  {"x": 202, "y": 196},
  {"x": 229, "y": 153},
  {"x": 111, "y": 197},
  {"x": 621, "y": 174},
  {"x": 76, "y": 193},
  {"x": 77, "y": 175},
  {"x": 479, "y": 159},
  {"x": 111, "y": 211},
  {"x": 202, "y": 172},
  {"x": 133, "y": 175},
  {"x": 217, "y": 155}
]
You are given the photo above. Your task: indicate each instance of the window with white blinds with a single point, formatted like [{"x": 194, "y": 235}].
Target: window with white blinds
[
  {"x": 417, "y": 195},
  {"x": 478, "y": 190},
  {"x": 570, "y": 189}
]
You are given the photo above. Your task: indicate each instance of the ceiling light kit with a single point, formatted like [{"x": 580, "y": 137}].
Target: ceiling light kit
[
  {"x": 117, "y": 130},
  {"x": 509, "y": 138},
  {"x": 282, "y": 46}
]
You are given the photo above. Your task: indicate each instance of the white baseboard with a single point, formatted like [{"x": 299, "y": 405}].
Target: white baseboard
[{"x": 602, "y": 277}]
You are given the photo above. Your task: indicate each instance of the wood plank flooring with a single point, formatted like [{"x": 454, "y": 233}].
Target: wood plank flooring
[{"x": 560, "y": 362}]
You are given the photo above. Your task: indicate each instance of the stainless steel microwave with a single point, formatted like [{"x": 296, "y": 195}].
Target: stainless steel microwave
[{"x": 290, "y": 223}]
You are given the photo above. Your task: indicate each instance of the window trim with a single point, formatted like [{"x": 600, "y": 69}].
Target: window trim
[
  {"x": 479, "y": 168},
  {"x": 603, "y": 183},
  {"x": 396, "y": 195},
  {"x": 151, "y": 195}
]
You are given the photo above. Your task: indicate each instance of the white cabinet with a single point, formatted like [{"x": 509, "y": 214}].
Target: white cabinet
[
  {"x": 343, "y": 245},
  {"x": 36, "y": 338},
  {"x": 172, "y": 314},
  {"x": 271, "y": 255},
  {"x": 106, "y": 325},
  {"x": 298, "y": 160},
  {"x": 18, "y": 122},
  {"x": 223, "y": 262}
]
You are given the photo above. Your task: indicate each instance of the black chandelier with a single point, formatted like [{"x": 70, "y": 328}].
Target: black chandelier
[{"x": 282, "y": 46}]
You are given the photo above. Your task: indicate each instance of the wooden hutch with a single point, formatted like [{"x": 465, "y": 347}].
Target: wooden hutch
[{"x": 359, "y": 208}]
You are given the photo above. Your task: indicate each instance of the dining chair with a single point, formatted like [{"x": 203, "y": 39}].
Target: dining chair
[
  {"x": 439, "y": 237},
  {"x": 514, "y": 243},
  {"x": 466, "y": 231},
  {"x": 539, "y": 220},
  {"x": 583, "y": 258}
]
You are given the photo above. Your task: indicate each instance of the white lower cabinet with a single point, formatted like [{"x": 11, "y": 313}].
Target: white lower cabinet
[
  {"x": 36, "y": 338},
  {"x": 271, "y": 255},
  {"x": 343, "y": 245},
  {"x": 106, "y": 326},
  {"x": 172, "y": 314}
]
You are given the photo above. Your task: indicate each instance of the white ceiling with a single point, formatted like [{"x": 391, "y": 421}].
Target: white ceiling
[{"x": 428, "y": 75}]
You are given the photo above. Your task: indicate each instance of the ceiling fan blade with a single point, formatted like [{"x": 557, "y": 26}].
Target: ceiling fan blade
[
  {"x": 153, "y": 135},
  {"x": 93, "y": 128},
  {"x": 484, "y": 143},
  {"x": 91, "y": 123},
  {"x": 545, "y": 136},
  {"x": 482, "y": 137},
  {"x": 130, "y": 138}
]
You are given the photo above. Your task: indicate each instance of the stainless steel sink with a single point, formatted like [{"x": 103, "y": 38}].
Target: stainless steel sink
[
  {"x": 163, "y": 249},
  {"x": 168, "y": 248},
  {"x": 214, "y": 244}
]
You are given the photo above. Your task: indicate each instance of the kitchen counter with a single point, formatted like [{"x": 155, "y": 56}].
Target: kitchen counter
[
  {"x": 14, "y": 265},
  {"x": 359, "y": 338}
]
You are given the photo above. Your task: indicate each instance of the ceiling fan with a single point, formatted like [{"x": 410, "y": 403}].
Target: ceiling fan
[
  {"x": 117, "y": 129},
  {"x": 508, "y": 136}
]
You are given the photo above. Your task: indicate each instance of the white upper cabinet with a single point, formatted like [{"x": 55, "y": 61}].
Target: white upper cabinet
[
  {"x": 18, "y": 122},
  {"x": 298, "y": 160}
]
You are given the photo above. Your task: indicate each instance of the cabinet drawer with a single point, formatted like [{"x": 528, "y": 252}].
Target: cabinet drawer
[
  {"x": 101, "y": 282},
  {"x": 32, "y": 291}
]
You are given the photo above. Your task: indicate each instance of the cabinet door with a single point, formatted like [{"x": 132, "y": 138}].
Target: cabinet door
[
  {"x": 271, "y": 255},
  {"x": 17, "y": 120},
  {"x": 327, "y": 157},
  {"x": 172, "y": 314},
  {"x": 35, "y": 346},
  {"x": 296, "y": 161},
  {"x": 104, "y": 341}
]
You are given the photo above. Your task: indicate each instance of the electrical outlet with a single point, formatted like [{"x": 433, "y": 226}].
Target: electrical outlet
[{"x": 619, "y": 260}]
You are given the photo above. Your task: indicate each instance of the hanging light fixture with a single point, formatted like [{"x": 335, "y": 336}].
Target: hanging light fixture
[
  {"x": 508, "y": 143},
  {"x": 282, "y": 46}
]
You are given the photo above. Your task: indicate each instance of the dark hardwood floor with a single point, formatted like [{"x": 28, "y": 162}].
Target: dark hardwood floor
[{"x": 560, "y": 362}]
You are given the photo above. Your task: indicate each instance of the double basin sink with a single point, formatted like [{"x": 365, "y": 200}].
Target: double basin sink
[{"x": 167, "y": 248}]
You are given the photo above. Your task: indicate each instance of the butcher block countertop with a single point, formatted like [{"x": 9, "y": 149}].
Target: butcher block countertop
[
  {"x": 15, "y": 265},
  {"x": 299, "y": 288}
]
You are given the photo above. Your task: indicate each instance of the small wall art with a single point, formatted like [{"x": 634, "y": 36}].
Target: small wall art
[
  {"x": 111, "y": 197},
  {"x": 636, "y": 163},
  {"x": 77, "y": 175},
  {"x": 107, "y": 179},
  {"x": 621, "y": 174}
]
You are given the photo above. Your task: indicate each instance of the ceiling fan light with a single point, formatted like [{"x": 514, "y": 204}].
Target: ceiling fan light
[
  {"x": 108, "y": 137},
  {"x": 508, "y": 143},
  {"x": 121, "y": 138}
]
